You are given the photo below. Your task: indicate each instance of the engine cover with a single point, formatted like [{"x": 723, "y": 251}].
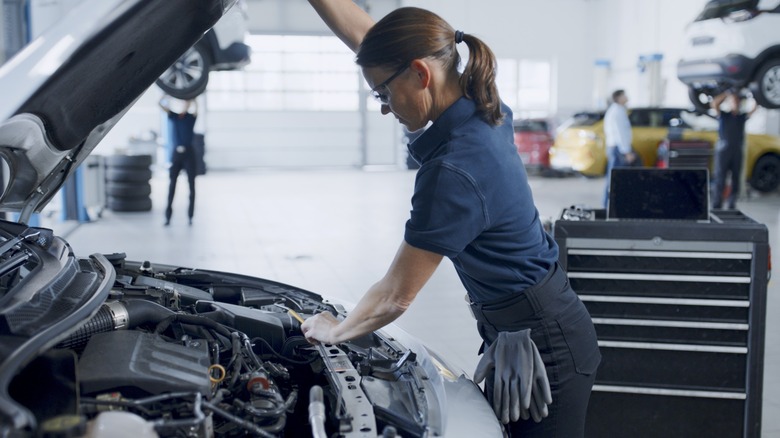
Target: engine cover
[{"x": 138, "y": 364}]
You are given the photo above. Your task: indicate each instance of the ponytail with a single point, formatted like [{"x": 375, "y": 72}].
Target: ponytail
[{"x": 478, "y": 80}]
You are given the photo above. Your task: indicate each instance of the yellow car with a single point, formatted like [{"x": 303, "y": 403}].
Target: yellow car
[{"x": 579, "y": 143}]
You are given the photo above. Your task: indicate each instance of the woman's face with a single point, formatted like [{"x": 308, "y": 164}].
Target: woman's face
[{"x": 402, "y": 95}]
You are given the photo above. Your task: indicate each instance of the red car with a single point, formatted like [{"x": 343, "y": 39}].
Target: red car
[{"x": 533, "y": 138}]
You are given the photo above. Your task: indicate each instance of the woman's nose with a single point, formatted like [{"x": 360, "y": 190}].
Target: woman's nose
[{"x": 385, "y": 109}]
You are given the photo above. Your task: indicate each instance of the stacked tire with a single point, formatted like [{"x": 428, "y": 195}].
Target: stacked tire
[{"x": 127, "y": 182}]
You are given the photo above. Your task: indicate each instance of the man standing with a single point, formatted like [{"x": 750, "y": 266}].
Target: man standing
[
  {"x": 183, "y": 155},
  {"x": 728, "y": 150},
  {"x": 617, "y": 133}
]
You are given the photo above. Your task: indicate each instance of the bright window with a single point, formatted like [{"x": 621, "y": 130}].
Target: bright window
[
  {"x": 289, "y": 73},
  {"x": 318, "y": 73},
  {"x": 525, "y": 85}
]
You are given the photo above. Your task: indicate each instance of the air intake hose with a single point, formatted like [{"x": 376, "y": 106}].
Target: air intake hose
[{"x": 116, "y": 315}]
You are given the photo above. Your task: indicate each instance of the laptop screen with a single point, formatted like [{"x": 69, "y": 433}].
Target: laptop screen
[{"x": 647, "y": 193}]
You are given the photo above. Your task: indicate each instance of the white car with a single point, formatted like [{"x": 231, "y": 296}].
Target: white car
[
  {"x": 101, "y": 346},
  {"x": 733, "y": 44},
  {"x": 221, "y": 48}
]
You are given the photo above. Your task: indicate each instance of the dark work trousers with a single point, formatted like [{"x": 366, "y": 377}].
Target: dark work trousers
[
  {"x": 182, "y": 158},
  {"x": 563, "y": 332},
  {"x": 728, "y": 161}
]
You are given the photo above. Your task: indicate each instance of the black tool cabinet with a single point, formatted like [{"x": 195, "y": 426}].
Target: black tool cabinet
[{"x": 679, "y": 309}]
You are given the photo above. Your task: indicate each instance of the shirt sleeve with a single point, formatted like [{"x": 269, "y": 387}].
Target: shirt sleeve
[
  {"x": 448, "y": 211},
  {"x": 617, "y": 129}
]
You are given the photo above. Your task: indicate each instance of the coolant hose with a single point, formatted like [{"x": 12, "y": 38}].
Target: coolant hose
[{"x": 317, "y": 412}]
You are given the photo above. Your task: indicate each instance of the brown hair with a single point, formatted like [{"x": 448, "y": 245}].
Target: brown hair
[{"x": 412, "y": 33}]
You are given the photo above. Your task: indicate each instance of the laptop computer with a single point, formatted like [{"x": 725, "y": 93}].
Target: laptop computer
[{"x": 659, "y": 194}]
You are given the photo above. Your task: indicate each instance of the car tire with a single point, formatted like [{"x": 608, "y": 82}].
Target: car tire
[
  {"x": 188, "y": 77},
  {"x": 766, "y": 174},
  {"x": 131, "y": 204},
  {"x": 132, "y": 175},
  {"x": 140, "y": 161},
  {"x": 700, "y": 99},
  {"x": 128, "y": 190},
  {"x": 766, "y": 87}
]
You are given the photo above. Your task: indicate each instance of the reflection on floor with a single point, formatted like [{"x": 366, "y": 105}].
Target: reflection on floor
[{"x": 334, "y": 232}]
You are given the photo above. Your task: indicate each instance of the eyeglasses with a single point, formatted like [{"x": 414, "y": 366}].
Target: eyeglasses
[{"x": 383, "y": 98}]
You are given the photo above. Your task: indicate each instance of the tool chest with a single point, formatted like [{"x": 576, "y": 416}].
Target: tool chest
[{"x": 679, "y": 309}]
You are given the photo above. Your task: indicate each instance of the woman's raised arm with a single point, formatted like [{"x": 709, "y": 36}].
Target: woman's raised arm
[{"x": 346, "y": 19}]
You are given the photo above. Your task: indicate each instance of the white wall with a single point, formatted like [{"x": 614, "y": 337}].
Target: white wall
[
  {"x": 625, "y": 30},
  {"x": 554, "y": 30}
]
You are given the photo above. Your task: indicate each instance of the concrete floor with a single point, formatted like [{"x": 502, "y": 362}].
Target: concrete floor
[{"x": 334, "y": 232}]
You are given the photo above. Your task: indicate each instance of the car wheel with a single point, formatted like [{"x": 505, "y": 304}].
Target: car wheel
[
  {"x": 766, "y": 88},
  {"x": 188, "y": 76},
  {"x": 700, "y": 99},
  {"x": 766, "y": 174}
]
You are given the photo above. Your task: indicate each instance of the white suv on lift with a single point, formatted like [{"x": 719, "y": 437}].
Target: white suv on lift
[{"x": 733, "y": 44}]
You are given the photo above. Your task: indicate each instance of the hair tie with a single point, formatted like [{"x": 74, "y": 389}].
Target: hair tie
[{"x": 458, "y": 37}]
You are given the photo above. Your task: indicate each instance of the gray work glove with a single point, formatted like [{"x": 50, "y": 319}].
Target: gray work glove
[{"x": 520, "y": 387}]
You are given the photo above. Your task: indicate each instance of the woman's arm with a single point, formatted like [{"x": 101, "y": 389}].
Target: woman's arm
[
  {"x": 383, "y": 303},
  {"x": 346, "y": 19}
]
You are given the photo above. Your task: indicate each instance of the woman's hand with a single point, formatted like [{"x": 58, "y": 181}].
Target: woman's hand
[{"x": 319, "y": 328}]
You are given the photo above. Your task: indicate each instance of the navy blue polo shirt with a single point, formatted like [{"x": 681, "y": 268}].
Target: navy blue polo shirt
[{"x": 472, "y": 203}]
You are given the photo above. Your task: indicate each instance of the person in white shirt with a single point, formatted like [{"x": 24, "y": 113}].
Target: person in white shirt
[{"x": 617, "y": 133}]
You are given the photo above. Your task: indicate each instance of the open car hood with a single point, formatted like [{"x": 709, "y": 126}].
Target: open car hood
[{"x": 66, "y": 89}]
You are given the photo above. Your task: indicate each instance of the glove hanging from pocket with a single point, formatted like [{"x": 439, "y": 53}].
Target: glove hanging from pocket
[{"x": 521, "y": 388}]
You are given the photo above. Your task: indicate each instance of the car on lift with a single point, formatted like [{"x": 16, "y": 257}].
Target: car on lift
[
  {"x": 222, "y": 48},
  {"x": 103, "y": 346},
  {"x": 733, "y": 44},
  {"x": 579, "y": 143},
  {"x": 533, "y": 138}
]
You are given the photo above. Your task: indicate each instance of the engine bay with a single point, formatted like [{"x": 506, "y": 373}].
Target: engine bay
[{"x": 192, "y": 353}]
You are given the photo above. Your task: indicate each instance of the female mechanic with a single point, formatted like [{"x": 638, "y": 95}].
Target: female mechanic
[{"x": 472, "y": 204}]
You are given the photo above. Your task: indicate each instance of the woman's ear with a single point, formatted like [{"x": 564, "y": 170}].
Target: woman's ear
[{"x": 422, "y": 71}]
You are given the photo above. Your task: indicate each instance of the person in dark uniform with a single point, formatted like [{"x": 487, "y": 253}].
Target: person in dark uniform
[
  {"x": 183, "y": 155},
  {"x": 472, "y": 204},
  {"x": 728, "y": 149}
]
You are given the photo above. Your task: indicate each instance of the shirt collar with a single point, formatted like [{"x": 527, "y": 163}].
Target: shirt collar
[{"x": 426, "y": 144}]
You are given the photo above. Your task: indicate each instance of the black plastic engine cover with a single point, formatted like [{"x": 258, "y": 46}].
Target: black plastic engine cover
[{"x": 138, "y": 364}]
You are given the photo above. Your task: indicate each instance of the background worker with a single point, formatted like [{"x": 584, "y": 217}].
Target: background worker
[
  {"x": 181, "y": 125},
  {"x": 729, "y": 148},
  {"x": 471, "y": 203},
  {"x": 617, "y": 137}
]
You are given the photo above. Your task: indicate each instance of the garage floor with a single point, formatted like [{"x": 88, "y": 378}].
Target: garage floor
[{"x": 335, "y": 232}]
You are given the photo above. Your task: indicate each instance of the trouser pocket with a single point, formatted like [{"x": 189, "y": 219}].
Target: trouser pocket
[{"x": 580, "y": 337}]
